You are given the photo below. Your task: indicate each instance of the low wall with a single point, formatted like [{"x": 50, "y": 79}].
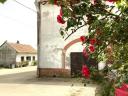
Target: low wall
[{"x": 53, "y": 72}]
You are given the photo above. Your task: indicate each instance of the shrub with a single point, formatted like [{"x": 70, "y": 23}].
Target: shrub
[{"x": 34, "y": 63}]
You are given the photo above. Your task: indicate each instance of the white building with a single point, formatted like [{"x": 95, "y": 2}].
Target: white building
[
  {"x": 13, "y": 54},
  {"x": 54, "y": 53}
]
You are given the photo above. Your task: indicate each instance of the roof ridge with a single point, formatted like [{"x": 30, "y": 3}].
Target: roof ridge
[
  {"x": 17, "y": 43},
  {"x": 23, "y": 48}
]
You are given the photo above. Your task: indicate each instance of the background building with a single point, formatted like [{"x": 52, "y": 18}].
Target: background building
[{"x": 16, "y": 54}]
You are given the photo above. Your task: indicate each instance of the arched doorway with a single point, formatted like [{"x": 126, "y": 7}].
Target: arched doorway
[
  {"x": 76, "y": 58},
  {"x": 66, "y": 47}
]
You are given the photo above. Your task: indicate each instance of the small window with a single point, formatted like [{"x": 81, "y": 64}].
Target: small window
[
  {"x": 22, "y": 58},
  {"x": 33, "y": 58},
  {"x": 28, "y": 58}
]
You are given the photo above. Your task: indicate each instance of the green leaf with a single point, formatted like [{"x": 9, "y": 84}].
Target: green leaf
[
  {"x": 2, "y": 1},
  {"x": 71, "y": 23},
  {"x": 51, "y": 1},
  {"x": 61, "y": 33}
]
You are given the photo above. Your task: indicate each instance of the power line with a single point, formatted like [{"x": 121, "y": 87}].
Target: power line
[{"x": 25, "y": 6}]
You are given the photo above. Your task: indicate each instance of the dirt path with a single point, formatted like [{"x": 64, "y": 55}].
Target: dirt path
[{"x": 23, "y": 82}]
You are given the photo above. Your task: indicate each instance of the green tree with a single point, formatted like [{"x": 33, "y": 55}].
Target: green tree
[{"x": 107, "y": 22}]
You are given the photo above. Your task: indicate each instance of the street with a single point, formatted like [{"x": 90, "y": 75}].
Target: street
[{"x": 23, "y": 82}]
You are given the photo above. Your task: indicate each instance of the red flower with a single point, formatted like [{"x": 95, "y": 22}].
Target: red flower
[
  {"x": 92, "y": 41},
  {"x": 83, "y": 38},
  {"x": 85, "y": 71},
  {"x": 91, "y": 48},
  {"x": 111, "y": 0},
  {"x": 60, "y": 19},
  {"x": 85, "y": 53}
]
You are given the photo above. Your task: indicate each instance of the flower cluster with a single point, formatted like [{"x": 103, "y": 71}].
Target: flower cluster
[
  {"x": 60, "y": 17},
  {"x": 85, "y": 71},
  {"x": 107, "y": 22},
  {"x": 83, "y": 38},
  {"x": 91, "y": 46},
  {"x": 85, "y": 53}
]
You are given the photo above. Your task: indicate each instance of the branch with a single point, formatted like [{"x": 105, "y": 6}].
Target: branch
[
  {"x": 73, "y": 31},
  {"x": 110, "y": 11}
]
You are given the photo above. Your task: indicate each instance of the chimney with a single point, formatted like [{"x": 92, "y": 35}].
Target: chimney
[{"x": 18, "y": 42}]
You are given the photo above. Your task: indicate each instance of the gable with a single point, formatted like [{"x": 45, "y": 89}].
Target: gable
[{"x": 6, "y": 47}]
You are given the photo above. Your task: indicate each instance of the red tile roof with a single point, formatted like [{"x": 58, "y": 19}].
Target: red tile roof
[{"x": 23, "y": 48}]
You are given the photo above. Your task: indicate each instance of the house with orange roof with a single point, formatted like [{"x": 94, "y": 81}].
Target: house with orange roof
[{"x": 16, "y": 54}]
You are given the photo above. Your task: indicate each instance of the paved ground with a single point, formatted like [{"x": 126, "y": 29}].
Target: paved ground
[{"x": 23, "y": 82}]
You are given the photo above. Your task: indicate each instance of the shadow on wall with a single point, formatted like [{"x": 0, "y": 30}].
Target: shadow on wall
[{"x": 67, "y": 62}]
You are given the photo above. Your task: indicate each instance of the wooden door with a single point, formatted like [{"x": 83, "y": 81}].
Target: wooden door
[{"x": 77, "y": 61}]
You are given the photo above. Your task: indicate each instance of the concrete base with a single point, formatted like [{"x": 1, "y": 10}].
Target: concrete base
[{"x": 53, "y": 72}]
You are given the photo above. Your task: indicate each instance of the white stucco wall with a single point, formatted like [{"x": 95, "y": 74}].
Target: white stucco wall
[
  {"x": 51, "y": 42},
  {"x": 18, "y": 57}
]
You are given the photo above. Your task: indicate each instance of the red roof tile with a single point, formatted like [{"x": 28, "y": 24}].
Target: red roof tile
[{"x": 22, "y": 48}]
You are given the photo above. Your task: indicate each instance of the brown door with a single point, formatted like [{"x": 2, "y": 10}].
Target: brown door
[{"x": 77, "y": 61}]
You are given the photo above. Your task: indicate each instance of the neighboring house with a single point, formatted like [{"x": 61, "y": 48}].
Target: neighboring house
[
  {"x": 15, "y": 54},
  {"x": 57, "y": 57}
]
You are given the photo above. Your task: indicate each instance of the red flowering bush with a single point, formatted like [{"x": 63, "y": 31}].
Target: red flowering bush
[
  {"x": 106, "y": 23},
  {"x": 85, "y": 71},
  {"x": 83, "y": 38},
  {"x": 85, "y": 53},
  {"x": 60, "y": 18},
  {"x": 92, "y": 41},
  {"x": 92, "y": 48}
]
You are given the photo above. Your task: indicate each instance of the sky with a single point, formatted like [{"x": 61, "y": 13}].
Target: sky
[{"x": 18, "y": 22}]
